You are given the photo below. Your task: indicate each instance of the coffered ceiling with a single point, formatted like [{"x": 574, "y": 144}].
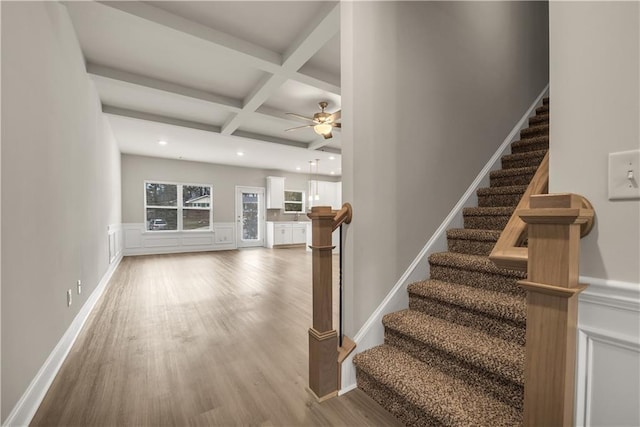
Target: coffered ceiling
[{"x": 216, "y": 78}]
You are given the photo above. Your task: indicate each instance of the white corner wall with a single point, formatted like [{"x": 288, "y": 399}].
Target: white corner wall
[
  {"x": 595, "y": 110},
  {"x": 429, "y": 90},
  {"x": 60, "y": 189}
]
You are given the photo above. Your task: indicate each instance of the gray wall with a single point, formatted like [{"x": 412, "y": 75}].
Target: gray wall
[
  {"x": 429, "y": 92},
  {"x": 137, "y": 169},
  {"x": 60, "y": 187},
  {"x": 595, "y": 92}
]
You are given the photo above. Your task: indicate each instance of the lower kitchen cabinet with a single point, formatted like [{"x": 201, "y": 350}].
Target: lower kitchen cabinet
[{"x": 286, "y": 233}]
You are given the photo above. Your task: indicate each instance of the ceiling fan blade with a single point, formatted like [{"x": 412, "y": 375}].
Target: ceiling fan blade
[
  {"x": 299, "y": 127},
  {"x": 301, "y": 117},
  {"x": 335, "y": 116},
  {"x": 337, "y": 125},
  {"x": 327, "y": 135}
]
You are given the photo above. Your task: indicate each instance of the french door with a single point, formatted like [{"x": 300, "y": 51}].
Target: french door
[{"x": 250, "y": 216}]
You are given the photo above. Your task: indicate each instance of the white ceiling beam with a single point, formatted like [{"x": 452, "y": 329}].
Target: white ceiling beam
[
  {"x": 255, "y": 55},
  {"x": 249, "y": 53},
  {"x": 320, "y": 143},
  {"x": 224, "y": 102},
  {"x": 325, "y": 26}
]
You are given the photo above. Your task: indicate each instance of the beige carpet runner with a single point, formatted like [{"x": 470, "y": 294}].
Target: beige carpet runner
[{"x": 455, "y": 357}]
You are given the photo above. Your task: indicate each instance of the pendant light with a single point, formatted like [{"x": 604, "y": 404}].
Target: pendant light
[{"x": 317, "y": 164}]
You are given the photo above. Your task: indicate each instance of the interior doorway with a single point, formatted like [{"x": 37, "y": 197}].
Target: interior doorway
[{"x": 250, "y": 215}]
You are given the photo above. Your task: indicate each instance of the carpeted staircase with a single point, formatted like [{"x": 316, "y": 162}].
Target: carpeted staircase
[{"x": 456, "y": 356}]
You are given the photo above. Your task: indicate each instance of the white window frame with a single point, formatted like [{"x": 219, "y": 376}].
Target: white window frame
[
  {"x": 180, "y": 208},
  {"x": 302, "y": 202}
]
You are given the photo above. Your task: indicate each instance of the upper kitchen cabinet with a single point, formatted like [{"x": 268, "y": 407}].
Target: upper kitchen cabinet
[
  {"x": 275, "y": 192},
  {"x": 325, "y": 193}
]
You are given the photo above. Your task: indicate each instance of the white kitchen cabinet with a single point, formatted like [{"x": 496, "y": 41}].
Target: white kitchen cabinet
[
  {"x": 328, "y": 193},
  {"x": 286, "y": 233},
  {"x": 275, "y": 192}
]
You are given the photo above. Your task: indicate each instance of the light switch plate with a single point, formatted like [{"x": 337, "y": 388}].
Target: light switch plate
[{"x": 624, "y": 175}]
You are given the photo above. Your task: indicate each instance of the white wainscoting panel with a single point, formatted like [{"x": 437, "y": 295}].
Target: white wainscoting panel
[
  {"x": 608, "y": 357},
  {"x": 114, "y": 234},
  {"x": 138, "y": 241}
]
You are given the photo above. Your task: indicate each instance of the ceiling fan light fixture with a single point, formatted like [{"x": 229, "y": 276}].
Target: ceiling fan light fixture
[{"x": 323, "y": 129}]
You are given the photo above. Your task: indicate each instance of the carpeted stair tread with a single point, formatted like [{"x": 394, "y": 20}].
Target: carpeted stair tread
[
  {"x": 474, "y": 270},
  {"x": 545, "y": 100},
  {"x": 471, "y": 346},
  {"x": 472, "y": 262},
  {"x": 494, "y": 304},
  {"x": 534, "y": 143},
  {"x": 519, "y": 160},
  {"x": 539, "y": 118},
  {"x": 487, "y": 218},
  {"x": 539, "y": 129},
  {"x": 514, "y": 176},
  {"x": 505, "y": 189},
  {"x": 504, "y": 173},
  {"x": 542, "y": 109},
  {"x": 472, "y": 241},
  {"x": 446, "y": 400}
]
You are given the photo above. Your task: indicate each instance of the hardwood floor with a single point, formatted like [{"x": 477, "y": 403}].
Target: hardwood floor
[{"x": 217, "y": 338}]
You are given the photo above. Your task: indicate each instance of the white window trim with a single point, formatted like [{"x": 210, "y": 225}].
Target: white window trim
[
  {"x": 179, "y": 208},
  {"x": 294, "y": 201}
]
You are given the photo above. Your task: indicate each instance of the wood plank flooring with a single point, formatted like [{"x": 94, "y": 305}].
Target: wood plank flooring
[{"x": 217, "y": 338}]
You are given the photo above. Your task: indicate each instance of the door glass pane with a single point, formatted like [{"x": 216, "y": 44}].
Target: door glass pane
[
  {"x": 161, "y": 194},
  {"x": 195, "y": 196},
  {"x": 162, "y": 219},
  {"x": 250, "y": 216},
  {"x": 195, "y": 219}
]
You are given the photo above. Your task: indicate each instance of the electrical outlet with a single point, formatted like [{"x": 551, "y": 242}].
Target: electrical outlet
[
  {"x": 69, "y": 298},
  {"x": 79, "y": 287}
]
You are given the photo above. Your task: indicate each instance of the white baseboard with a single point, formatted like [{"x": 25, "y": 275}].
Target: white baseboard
[
  {"x": 28, "y": 404},
  {"x": 372, "y": 332}
]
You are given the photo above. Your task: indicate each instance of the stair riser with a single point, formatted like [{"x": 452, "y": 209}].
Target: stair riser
[
  {"x": 543, "y": 109},
  {"x": 545, "y": 100},
  {"x": 489, "y": 222},
  {"x": 534, "y": 146},
  {"x": 537, "y": 120},
  {"x": 499, "y": 200},
  {"x": 500, "y": 328},
  {"x": 471, "y": 247},
  {"x": 511, "y": 180},
  {"x": 521, "y": 163},
  {"x": 409, "y": 414},
  {"x": 534, "y": 131},
  {"x": 479, "y": 279},
  {"x": 486, "y": 382}
]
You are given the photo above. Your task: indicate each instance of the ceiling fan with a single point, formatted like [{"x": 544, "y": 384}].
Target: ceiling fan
[{"x": 322, "y": 122}]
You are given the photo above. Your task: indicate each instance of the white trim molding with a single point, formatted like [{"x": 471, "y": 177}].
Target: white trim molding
[
  {"x": 138, "y": 241},
  {"x": 608, "y": 354},
  {"x": 25, "y": 409},
  {"x": 372, "y": 332}
]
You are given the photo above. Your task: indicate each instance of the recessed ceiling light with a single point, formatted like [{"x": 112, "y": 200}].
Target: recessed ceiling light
[
  {"x": 162, "y": 142},
  {"x": 297, "y": 168},
  {"x": 240, "y": 153},
  {"x": 333, "y": 173},
  {"x": 332, "y": 158}
]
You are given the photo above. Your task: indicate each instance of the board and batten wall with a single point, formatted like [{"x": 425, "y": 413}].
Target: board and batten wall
[
  {"x": 60, "y": 191},
  {"x": 595, "y": 110},
  {"x": 224, "y": 179},
  {"x": 429, "y": 92}
]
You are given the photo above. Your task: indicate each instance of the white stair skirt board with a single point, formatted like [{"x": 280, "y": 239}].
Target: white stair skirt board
[
  {"x": 372, "y": 332},
  {"x": 26, "y": 408},
  {"x": 608, "y": 354}
]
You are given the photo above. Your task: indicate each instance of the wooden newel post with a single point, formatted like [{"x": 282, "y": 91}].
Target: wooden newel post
[
  {"x": 323, "y": 339},
  {"x": 554, "y": 229}
]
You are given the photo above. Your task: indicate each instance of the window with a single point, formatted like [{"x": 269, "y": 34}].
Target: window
[
  {"x": 293, "y": 201},
  {"x": 177, "y": 207}
]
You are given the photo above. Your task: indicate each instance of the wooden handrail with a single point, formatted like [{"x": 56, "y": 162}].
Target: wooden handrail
[
  {"x": 342, "y": 216},
  {"x": 508, "y": 253},
  {"x": 325, "y": 355},
  {"x": 555, "y": 225}
]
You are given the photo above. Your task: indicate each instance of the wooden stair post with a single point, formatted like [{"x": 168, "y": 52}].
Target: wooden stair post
[
  {"x": 554, "y": 231},
  {"x": 323, "y": 339}
]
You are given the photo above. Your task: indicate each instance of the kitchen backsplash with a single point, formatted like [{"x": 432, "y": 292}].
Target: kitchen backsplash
[{"x": 279, "y": 215}]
